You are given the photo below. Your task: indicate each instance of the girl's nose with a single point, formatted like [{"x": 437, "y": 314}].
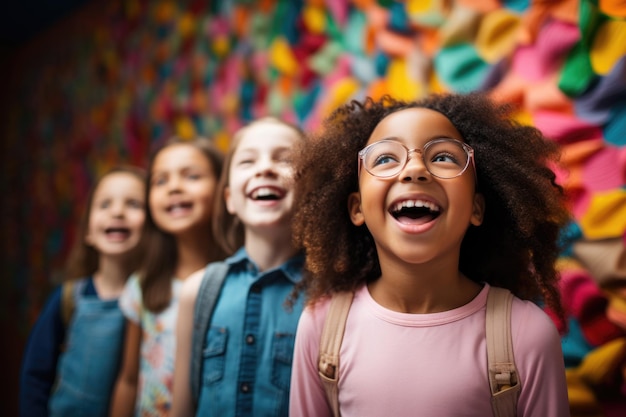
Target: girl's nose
[
  {"x": 415, "y": 168},
  {"x": 174, "y": 183},
  {"x": 117, "y": 209},
  {"x": 265, "y": 167}
]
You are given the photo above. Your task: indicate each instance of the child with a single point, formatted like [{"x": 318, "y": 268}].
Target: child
[
  {"x": 182, "y": 177},
  {"x": 419, "y": 208},
  {"x": 73, "y": 353},
  {"x": 246, "y": 367}
]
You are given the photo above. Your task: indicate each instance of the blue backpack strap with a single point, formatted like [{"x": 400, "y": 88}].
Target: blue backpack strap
[
  {"x": 209, "y": 291},
  {"x": 71, "y": 291}
]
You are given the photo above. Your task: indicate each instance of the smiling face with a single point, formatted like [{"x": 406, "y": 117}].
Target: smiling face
[
  {"x": 260, "y": 186},
  {"x": 182, "y": 187},
  {"x": 414, "y": 216},
  {"x": 117, "y": 214}
]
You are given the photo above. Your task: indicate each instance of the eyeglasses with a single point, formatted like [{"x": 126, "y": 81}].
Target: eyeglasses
[{"x": 444, "y": 158}]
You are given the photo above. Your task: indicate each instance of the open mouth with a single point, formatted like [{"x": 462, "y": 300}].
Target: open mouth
[
  {"x": 117, "y": 232},
  {"x": 415, "y": 211},
  {"x": 267, "y": 194},
  {"x": 179, "y": 206}
]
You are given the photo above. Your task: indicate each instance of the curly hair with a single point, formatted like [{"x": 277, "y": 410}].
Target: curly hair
[{"x": 516, "y": 246}]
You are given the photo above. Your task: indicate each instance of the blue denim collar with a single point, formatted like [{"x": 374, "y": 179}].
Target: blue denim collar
[{"x": 292, "y": 268}]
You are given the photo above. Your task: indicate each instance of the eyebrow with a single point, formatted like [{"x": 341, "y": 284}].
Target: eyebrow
[{"x": 431, "y": 138}]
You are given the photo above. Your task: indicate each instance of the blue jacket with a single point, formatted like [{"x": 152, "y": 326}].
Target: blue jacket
[{"x": 246, "y": 367}]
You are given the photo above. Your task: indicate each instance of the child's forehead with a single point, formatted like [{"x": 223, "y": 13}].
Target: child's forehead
[
  {"x": 178, "y": 154},
  {"x": 264, "y": 126},
  {"x": 267, "y": 135},
  {"x": 121, "y": 177},
  {"x": 119, "y": 182},
  {"x": 415, "y": 121}
]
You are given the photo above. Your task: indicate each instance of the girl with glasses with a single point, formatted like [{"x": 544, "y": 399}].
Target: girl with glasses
[{"x": 419, "y": 209}]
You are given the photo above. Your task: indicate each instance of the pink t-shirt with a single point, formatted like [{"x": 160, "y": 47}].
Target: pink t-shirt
[{"x": 427, "y": 365}]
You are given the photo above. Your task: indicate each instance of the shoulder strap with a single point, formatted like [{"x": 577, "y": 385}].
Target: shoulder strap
[
  {"x": 330, "y": 344},
  {"x": 503, "y": 376},
  {"x": 67, "y": 302},
  {"x": 203, "y": 310},
  {"x": 70, "y": 292},
  {"x": 505, "y": 385}
]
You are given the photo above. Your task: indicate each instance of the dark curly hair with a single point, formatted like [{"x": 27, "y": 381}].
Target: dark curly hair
[{"x": 516, "y": 246}]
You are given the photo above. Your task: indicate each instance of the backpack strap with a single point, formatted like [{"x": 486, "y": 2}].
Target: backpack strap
[
  {"x": 330, "y": 344},
  {"x": 70, "y": 292},
  {"x": 209, "y": 291},
  {"x": 67, "y": 302},
  {"x": 503, "y": 376}
]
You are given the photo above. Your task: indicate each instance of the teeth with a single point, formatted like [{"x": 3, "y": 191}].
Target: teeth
[
  {"x": 416, "y": 203},
  {"x": 264, "y": 192},
  {"x": 178, "y": 206}
]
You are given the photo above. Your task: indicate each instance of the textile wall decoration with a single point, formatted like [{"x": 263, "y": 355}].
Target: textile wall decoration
[{"x": 122, "y": 76}]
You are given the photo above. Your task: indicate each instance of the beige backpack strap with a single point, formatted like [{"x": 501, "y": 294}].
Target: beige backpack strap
[
  {"x": 330, "y": 344},
  {"x": 67, "y": 302},
  {"x": 67, "y": 307},
  {"x": 503, "y": 376}
]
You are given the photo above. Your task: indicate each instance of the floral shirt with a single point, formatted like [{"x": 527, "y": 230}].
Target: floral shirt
[{"x": 158, "y": 346}]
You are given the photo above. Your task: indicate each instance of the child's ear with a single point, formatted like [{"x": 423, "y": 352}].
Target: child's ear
[
  {"x": 354, "y": 208},
  {"x": 478, "y": 210},
  {"x": 229, "y": 201}
]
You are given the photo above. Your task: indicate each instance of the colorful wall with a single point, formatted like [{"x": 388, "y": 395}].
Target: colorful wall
[{"x": 118, "y": 77}]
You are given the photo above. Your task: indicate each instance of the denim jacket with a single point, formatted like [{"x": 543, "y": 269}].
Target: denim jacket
[{"x": 249, "y": 346}]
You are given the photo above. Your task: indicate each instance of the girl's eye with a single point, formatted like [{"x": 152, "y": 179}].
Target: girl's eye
[
  {"x": 193, "y": 176},
  {"x": 158, "y": 181},
  {"x": 445, "y": 157},
  {"x": 385, "y": 159},
  {"x": 135, "y": 204},
  {"x": 104, "y": 204},
  {"x": 285, "y": 157}
]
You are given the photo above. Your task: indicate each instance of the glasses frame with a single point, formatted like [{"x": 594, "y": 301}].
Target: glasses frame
[{"x": 468, "y": 150}]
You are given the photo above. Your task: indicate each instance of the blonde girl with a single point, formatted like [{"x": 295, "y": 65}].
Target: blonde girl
[
  {"x": 74, "y": 350},
  {"x": 246, "y": 365}
]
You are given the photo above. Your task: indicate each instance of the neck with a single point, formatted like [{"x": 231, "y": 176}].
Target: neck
[
  {"x": 269, "y": 250},
  {"x": 423, "y": 289},
  {"x": 110, "y": 277},
  {"x": 194, "y": 253}
]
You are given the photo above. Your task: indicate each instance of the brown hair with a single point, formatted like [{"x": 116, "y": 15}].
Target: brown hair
[
  {"x": 83, "y": 258},
  {"x": 229, "y": 231},
  {"x": 517, "y": 245},
  {"x": 161, "y": 255}
]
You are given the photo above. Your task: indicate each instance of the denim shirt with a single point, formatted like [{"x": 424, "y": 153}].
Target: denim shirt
[
  {"x": 88, "y": 368},
  {"x": 246, "y": 367}
]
